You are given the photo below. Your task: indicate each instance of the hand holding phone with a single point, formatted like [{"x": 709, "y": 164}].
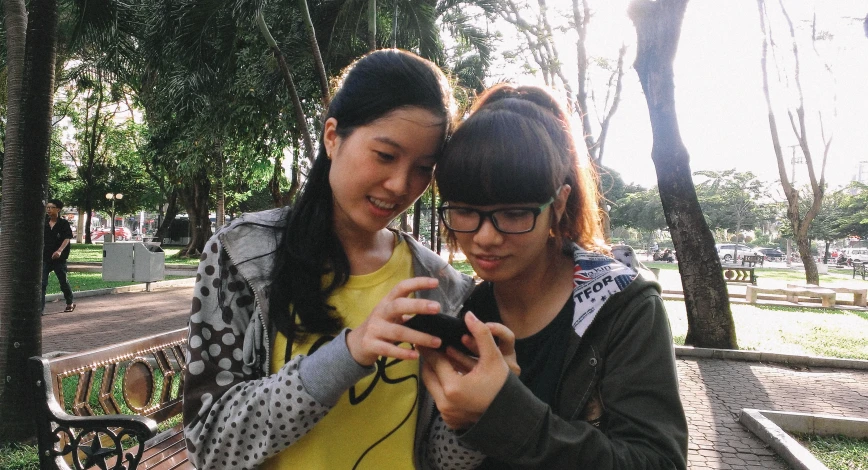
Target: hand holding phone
[{"x": 449, "y": 329}]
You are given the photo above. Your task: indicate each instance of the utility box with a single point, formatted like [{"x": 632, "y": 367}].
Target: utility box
[{"x": 133, "y": 262}]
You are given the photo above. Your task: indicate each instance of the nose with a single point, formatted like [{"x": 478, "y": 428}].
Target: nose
[
  {"x": 398, "y": 182},
  {"x": 487, "y": 235}
]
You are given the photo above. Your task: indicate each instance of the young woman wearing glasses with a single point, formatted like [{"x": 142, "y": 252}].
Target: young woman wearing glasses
[{"x": 598, "y": 386}]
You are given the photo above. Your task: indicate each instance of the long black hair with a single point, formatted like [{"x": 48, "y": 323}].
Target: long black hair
[{"x": 371, "y": 88}]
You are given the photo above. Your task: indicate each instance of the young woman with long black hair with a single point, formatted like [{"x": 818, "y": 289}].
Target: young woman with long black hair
[{"x": 297, "y": 354}]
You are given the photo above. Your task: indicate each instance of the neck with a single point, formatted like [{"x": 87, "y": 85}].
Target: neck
[
  {"x": 367, "y": 252},
  {"x": 52, "y": 218},
  {"x": 531, "y": 301}
]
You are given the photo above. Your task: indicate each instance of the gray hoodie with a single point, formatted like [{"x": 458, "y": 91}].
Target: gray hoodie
[{"x": 237, "y": 414}]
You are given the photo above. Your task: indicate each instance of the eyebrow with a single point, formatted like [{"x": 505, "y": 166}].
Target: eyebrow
[
  {"x": 393, "y": 143},
  {"x": 388, "y": 141}
]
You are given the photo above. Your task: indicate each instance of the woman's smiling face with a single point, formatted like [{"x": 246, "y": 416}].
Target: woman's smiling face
[{"x": 381, "y": 168}]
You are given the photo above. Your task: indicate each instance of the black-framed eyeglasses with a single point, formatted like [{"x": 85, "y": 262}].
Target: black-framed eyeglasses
[
  {"x": 510, "y": 220},
  {"x": 51, "y": 207}
]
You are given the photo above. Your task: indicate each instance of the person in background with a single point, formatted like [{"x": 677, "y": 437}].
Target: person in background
[
  {"x": 598, "y": 385},
  {"x": 295, "y": 355},
  {"x": 55, "y": 252}
]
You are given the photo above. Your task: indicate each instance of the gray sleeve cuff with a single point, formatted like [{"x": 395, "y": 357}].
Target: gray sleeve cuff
[{"x": 331, "y": 370}]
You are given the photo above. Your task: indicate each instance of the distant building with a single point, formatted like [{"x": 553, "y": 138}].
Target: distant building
[{"x": 861, "y": 172}]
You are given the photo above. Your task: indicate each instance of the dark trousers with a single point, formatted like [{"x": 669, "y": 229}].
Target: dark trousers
[{"x": 59, "y": 268}]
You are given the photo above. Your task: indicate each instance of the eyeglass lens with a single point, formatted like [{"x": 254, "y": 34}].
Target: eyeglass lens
[{"x": 505, "y": 220}]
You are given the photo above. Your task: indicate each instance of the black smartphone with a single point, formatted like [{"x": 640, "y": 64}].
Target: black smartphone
[{"x": 449, "y": 329}]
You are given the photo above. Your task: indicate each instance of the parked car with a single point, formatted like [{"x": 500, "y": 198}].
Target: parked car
[
  {"x": 121, "y": 233},
  {"x": 772, "y": 254},
  {"x": 857, "y": 255},
  {"x": 733, "y": 251}
]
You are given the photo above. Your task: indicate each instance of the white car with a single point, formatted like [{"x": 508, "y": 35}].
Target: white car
[
  {"x": 729, "y": 252},
  {"x": 857, "y": 255}
]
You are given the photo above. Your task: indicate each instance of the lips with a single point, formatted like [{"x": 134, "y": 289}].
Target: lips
[
  {"x": 380, "y": 204},
  {"x": 487, "y": 262},
  {"x": 382, "y": 208}
]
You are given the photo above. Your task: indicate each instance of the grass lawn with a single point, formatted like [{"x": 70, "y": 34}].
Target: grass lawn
[
  {"x": 19, "y": 457},
  {"x": 787, "y": 330},
  {"x": 89, "y": 281},
  {"x": 837, "y": 452},
  {"x": 81, "y": 253}
]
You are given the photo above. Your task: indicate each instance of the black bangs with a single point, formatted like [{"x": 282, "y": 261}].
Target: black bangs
[{"x": 499, "y": 156}]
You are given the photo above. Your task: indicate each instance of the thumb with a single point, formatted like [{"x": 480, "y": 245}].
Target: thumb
[{"x": 488, "y": 349}]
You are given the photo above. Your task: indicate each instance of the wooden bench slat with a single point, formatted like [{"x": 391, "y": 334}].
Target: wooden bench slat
[{"x": 167, "y": 453}]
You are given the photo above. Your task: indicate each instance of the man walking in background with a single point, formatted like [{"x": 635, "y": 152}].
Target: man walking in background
[{"x": 58, "y": 233}]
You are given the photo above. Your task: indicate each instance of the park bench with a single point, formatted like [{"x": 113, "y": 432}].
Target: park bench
[
  {"x": 739, "y": 275},
  {"x": 793, "y": 294},
  {"x": 859, "y": 295},
  {"x": 858, "y": 268},
  {"x": 118, "y": 406},
  {"x": 752, "y": 260}
]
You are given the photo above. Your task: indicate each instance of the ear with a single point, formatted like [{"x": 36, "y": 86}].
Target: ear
[
  {"x": 330, "y": 137},
  {"x": 560, "y": 204}
]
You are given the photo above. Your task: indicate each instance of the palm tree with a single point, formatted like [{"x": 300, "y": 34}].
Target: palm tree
[{"x": 30, "y": 63}]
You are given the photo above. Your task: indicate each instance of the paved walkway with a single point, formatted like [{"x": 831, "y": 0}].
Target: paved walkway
[{"x": 713, "y": 391}]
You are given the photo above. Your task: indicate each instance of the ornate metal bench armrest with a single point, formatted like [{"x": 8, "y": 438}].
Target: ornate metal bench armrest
[{"x": 103, "y": 435}]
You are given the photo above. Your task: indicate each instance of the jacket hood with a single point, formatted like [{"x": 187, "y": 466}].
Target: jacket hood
[{"x": 598, "y": 279}]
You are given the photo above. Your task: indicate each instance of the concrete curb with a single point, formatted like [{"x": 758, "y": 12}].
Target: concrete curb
[
  {"x": 763, "y": 356},
  {"x": 785, "y": 446},
  {"x": 187, "y": 282},
  {"x": 772, "y": 427}
]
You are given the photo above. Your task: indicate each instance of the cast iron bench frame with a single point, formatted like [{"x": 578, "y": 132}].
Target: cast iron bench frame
[
  {"x": 752, "y": 260},
  {"x": 96, "y": 435},
  {"x": 859, "y": 268},
  {"x": 739, "y": 275}
]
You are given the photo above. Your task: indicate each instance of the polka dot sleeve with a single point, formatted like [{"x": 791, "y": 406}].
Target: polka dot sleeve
[
  {"x": 234, "y": 417},
  {"x": 444, "y": 452}
]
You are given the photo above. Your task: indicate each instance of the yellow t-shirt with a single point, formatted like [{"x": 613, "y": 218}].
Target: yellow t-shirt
[{"x": 374, "y": 422}]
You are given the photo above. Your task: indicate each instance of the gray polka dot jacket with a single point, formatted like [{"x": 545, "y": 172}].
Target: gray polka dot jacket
[{"x": 236, "y": 414}]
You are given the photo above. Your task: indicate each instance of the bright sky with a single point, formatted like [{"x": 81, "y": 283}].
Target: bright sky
[{"x": 721, "y": 108}]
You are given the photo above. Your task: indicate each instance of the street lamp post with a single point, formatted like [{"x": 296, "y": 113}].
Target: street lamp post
[{"x": 113, "y": 197}]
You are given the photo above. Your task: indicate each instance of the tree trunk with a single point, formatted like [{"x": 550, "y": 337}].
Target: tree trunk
[
  {"x": 30, "y": 68},
  {"x": 300, "y": 118},
  {"x": 220, "y": 210},
  {"x": 317, "y": 55},
  {"x": 372, "y": 25},
  {"x": 79, "y": 226},
  {"x": 169, "y": 217},
  {"x": 88, "y": 209},
  {"x": 799, "y": 222},
  {"x": 196, "y": 201},
  {"x": 417, "y": 217},
  {"x": 709, "y": 319}
]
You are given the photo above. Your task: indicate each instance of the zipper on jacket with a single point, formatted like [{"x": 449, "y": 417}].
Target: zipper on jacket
[{"x": 265, "y": 368}]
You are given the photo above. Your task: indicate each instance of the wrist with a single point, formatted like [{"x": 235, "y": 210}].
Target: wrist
[{"x": 353, "y": 347}]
